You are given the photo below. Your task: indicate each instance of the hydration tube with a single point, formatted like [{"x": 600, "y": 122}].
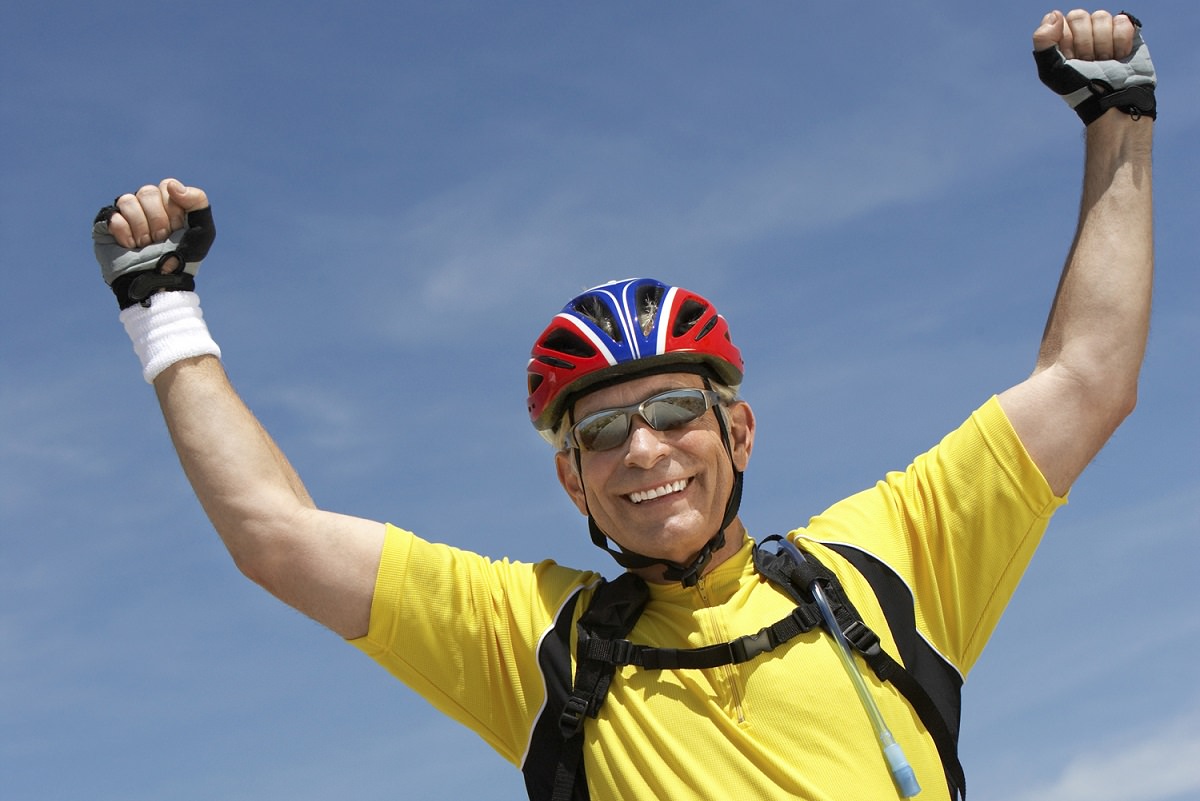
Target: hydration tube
[{"x": 902, "y": 772}]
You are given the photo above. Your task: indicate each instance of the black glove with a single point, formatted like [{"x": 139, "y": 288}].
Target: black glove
[
  {"x": 135, "y": 275},
  {"x": 1093, "y": 87}
]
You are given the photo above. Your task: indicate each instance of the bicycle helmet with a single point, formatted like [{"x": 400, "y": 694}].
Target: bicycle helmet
[
  {"x": 624, "y": 330},
  {"x": 621, "y": 330}
]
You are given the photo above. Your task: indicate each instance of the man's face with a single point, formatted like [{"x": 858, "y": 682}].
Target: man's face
[{"x": 659, "y": 493}]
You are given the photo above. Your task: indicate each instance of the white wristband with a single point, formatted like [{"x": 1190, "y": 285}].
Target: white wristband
[{"x": 170, "y": 330}]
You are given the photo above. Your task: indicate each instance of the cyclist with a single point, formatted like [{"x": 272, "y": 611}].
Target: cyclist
[{"x": 636, "y": 384}]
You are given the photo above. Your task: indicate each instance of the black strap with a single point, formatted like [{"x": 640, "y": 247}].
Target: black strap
[
  {"x": 931, "y": 685},
  {"x": 797, "y": 580},
  {"x": 866, "y": 643},
  {"x": 134, "y": 288},
  {"x": 743, "y": 649},
  {"x": 546, "y": 745},
  {"x": 686, "y": 574},
  {"x": 617, "y": 605}
]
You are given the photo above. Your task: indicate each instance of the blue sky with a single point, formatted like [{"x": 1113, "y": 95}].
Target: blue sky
[{"x": 878, "y": 196}]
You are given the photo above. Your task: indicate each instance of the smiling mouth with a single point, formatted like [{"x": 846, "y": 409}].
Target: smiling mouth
[{"x": 658, "y": 492}]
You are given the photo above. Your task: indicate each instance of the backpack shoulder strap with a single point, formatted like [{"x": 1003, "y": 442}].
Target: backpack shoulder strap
[
  {"x": 932, "y": 686},
  {"x": 553, "y": 768}
]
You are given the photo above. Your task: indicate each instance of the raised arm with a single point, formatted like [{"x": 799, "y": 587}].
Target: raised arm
[
  {"x": 321, "y": 563},
  {"x": 1085, "y": 380}
]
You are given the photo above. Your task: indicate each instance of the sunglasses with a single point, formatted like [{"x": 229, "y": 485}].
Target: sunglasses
[{"x": 608, "y": 428}]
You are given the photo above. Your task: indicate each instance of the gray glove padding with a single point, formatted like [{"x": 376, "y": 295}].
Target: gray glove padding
[
  {"x": 135, "y": 275},
  {"x": 1093, "y": 87}
]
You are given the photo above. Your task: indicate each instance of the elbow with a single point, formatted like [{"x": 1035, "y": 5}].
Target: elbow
[
  {"x": 256, "y": 548},
  {"x": 1112, "y": 405},
  {"x": 252, "y": 568},
  {"x": 1119, "y": 397},
  {"x": 1129, "y": 404},
  {"x": 252, "y": 561},
  {"x": 1106, "y": 390}
]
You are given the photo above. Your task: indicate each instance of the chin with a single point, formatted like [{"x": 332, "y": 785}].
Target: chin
[{"x": 680, "y": 549}]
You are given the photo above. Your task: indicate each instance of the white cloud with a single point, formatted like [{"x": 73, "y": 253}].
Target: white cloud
[
  {"x": 1163, "y": 765},
  {"x": 569, "y": 222}
]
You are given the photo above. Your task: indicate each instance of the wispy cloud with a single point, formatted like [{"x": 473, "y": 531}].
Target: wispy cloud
[
  {"x": 403, "y": 193},
  {"x": 1158, "y": 765},
  {"x": 585, "y": 214}
]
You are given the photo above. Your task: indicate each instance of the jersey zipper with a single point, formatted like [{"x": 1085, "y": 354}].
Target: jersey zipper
[{"x": 726, "y": 672}]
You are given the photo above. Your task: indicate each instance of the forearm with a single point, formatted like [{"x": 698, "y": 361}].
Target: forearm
[
  {"x": 319, "y": 562},
  {"x": 245, "y": 484},
  {"x": 1085, "y": 380},
  {"x": 1096, "y": 332}
]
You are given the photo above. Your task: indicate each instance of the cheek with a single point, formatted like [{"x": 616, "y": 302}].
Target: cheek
[
  {"x": 596, "y": 476},
  {"x": 564, "y": 465},
  {"x": 597, "y": 469}
]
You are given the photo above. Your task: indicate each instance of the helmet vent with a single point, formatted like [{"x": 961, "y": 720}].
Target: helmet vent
[
  {"x": 598, "y": 312},
  {"x": 649, "y": 298},
  {"x": 553, "y": 361},
  {"x": 570, "y": 343},
  {"x": 689, "y": 314},
  {"x": 707, "y": 327}
]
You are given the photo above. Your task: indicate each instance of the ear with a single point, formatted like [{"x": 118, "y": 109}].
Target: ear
[
  {"x": 568, "y": 476},
  {"x": 741, "y": 433}
]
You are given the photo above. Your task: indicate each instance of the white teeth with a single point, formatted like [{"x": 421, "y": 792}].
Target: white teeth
[{"x": 658, "y": 492}]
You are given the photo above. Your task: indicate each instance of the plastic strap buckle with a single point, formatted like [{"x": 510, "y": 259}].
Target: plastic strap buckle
[
  {"x": 570, "y": 722},
  {"x": 621, "y": 652},
  {"x": 743, "y": 649},
  {"x": 865, "y": 641}
]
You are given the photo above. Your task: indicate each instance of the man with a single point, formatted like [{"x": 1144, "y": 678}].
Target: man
[{"x": 636, "y": 383}]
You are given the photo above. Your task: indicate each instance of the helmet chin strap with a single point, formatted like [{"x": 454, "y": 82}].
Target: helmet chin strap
[{"x": 686, "y": 574}]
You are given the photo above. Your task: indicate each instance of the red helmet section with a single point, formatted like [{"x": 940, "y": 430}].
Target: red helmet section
[{"x": 607, "y": 333}]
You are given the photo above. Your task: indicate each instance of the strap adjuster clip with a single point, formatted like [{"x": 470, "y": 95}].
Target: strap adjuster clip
[
  {"x": 743, "y": 649},
  {"x": 865, "y": 641},
  {"x": 621, "y": 652},
  {"x": 570, "y": 722}
]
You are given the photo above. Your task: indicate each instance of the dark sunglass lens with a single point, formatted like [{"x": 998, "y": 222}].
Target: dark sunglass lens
[
  {"x": 664, "y": 414},
  {"x": 604, "y": 431},
  {"x": 608, "y": 429}
]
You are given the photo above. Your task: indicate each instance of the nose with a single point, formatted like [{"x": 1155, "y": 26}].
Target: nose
[{"x": 645, "y": 445}]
